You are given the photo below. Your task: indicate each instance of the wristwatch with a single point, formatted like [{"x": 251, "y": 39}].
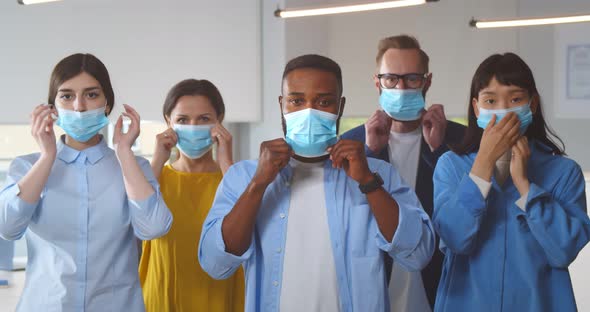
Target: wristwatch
[{"x": 373, "y": 185}]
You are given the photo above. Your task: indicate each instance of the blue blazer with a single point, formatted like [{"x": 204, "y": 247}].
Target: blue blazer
[{"x": 424, "y": 190}]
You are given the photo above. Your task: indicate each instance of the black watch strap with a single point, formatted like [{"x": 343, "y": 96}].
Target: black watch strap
[{"x": 374, "y": 185}]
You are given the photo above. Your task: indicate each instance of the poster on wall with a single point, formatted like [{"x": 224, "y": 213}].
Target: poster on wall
[{"x": 572, "y": 69}]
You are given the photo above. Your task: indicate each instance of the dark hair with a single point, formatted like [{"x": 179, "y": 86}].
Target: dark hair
[
  {"x": 403, "y": 42},
  {"x": 76, "y": 64},
  {"x": 316, "y": 62},
  {"x": 193, "y": 87},
  {"x": 510, "y": 70}
]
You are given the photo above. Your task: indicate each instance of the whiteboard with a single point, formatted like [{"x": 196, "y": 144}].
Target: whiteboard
[{"x": 147, "y": 45}]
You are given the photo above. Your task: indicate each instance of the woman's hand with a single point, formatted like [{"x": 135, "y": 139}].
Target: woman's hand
[
  {"x": 42, "y": 129},
  {"x": 223, "y": 138},
  {"x": 518, "y": 165},
  {"x": 165, "y": 141},
  {"x": 124, "y": 141},
  {"x": 495, "y": 141}
]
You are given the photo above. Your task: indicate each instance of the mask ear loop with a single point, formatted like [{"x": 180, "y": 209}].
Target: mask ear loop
[{"x": 338, "y": 120}]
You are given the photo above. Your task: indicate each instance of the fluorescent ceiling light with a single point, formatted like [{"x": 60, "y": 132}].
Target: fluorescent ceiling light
[
  {"x": 27, "y": 2},
  {"x": 349, "y": 8},
  {"x": 530, "y": 21}
]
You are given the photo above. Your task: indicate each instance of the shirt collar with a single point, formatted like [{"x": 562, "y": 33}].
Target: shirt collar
[{"x": 93, "y": 153}]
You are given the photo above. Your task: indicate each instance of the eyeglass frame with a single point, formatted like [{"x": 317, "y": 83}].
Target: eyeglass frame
[{"x": 424, "y": 76}]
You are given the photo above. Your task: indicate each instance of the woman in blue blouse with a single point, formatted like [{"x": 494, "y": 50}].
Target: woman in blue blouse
[
  {"x": 81, "y": 204},
  {"x": 510, "y": 208}
]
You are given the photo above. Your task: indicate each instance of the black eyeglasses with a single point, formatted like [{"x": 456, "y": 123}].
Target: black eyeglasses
[{"x": 412, "y": 80}]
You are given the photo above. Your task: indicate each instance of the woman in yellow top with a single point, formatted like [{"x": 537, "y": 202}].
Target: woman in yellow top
[{"x": 170, "y": 275}]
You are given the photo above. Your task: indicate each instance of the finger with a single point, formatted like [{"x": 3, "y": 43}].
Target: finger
[
  {"x": 225, "y": 133},
  {"x": 277, "y": 142},
  {"x": 39, "y": 121},
  {"x": 336, "y": 145},
  {"x": 129, "y": 109},
  {"x": 282, "y": 150},
  {"x": 172, "y": 134},
  {"x": 220, "y": 130},
  {"x": 507, "y": 122},
  {"x": 377, "y": 114},
  {"x": 516, "y": 152},
  {"x": 37, "y": 109},
  {"x": 427, "y": 116},
  {"x": 47, "y": 126},
  {"x": 119, "y": 125},
  {"x": 134, "y": 116},
  {"x": 134, "y": 125},
  {"x": 280, "y": 160},
  {"x": 336, "y": 151},
  {"x": 513, "y": 127},
  {"x": 169, "y": 143},
  {"x": 347, "y": 154},
  {"x": 504, "y": 121},
  {"x": 439, "y": 122},
  {"x": 522, "y": 146},
  {"x": 35, "y": 120},
  {"x": 491, "y": 123},
  {"x": 438, "y": 117},
  {"x": 437, "y": 109},
  {"x": 512, "y": 136}
]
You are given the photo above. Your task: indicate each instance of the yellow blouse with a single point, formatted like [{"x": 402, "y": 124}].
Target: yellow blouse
[{"x": 171, "y": 277}]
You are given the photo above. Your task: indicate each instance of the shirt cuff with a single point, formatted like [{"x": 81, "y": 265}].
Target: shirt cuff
[
  {"x": 228, "y": 258},
  {"x": 483, "y": 185},
  {"x": 26, "y": 208},
  {"x": 16, "y": 214},
  {"x": 521, "y": 202},
  {"x": 407, "y": 235}
]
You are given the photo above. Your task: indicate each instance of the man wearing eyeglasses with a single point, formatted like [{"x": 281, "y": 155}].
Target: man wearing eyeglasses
[{"x": 412, "y": 138}]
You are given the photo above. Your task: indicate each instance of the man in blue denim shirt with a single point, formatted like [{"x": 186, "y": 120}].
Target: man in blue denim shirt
[{"x": 313, "y": 219}]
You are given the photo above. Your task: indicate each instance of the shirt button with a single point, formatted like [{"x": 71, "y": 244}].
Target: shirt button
[
  {"x": 275, "y": 283},
  {"x": 282, "y": 215},
  {"x": 279, "y": 250},
  {"x": 287, "y": 184}
]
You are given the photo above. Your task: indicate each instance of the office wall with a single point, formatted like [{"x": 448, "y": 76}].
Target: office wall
[
  {"x": 351, "y": 40},
  {"x": 147, "y": 45},
  {"x": 537, "y": 45}
]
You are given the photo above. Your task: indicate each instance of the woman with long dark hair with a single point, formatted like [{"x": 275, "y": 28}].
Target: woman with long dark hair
[{"x": 510, "y": 208}]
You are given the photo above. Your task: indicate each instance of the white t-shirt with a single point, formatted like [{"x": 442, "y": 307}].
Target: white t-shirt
[
  {"x": 309, "y": 272},
  {"x": 404, "y": 153},
  {"x": 406, "y": 289}
]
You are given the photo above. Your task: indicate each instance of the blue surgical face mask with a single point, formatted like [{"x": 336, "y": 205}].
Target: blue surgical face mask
[
  {"x": 194, "y": 141},
  {"x": 523, "y": 112},
  {"x": 82, "y": 126},
  {"x": 310, "y": 132},
  {"x": 402, "y": 104}
]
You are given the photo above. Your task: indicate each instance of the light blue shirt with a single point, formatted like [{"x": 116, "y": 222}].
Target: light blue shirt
[
  {"x": 6, "y": 254},
  {"x": 499, "y": 257},
  {"x": 358, "y": 246},
  {"x": 81, "y": 234}
]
